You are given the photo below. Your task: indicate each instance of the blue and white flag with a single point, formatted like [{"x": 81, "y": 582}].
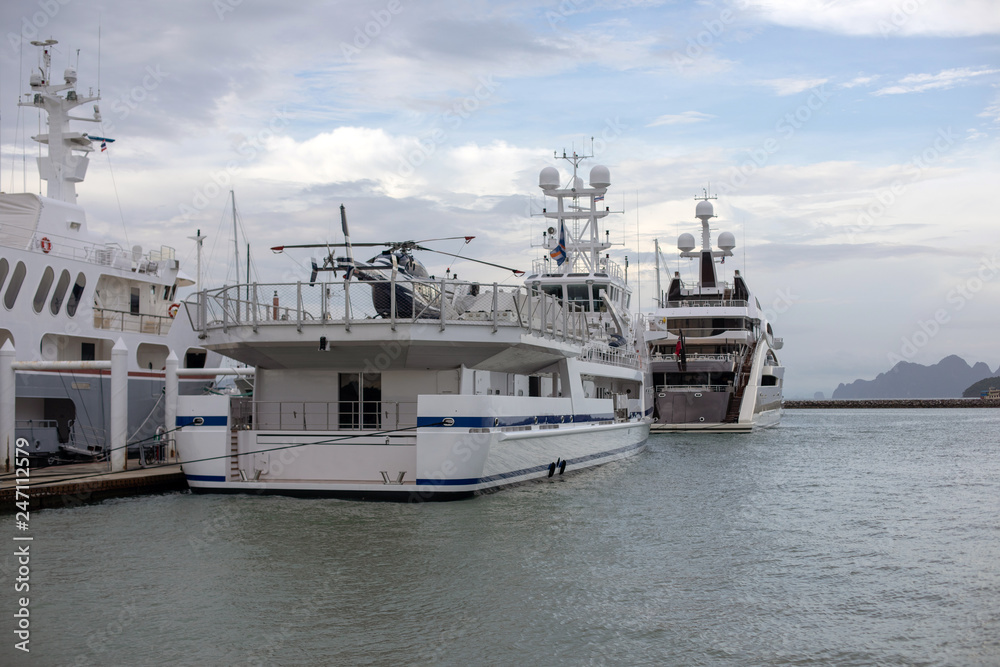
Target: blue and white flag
[
  {"x": 599, "y": 198},
  {"x": 559, "y": 252}
]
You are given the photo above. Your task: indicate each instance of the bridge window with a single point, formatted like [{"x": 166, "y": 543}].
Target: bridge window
[
  {"x": 598, "y": 300},
  {"x": 554, "y": 290},
  {"x": 579, "y": 295}
]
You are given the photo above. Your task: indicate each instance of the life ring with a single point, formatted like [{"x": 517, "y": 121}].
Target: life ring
[
  {"x": 172, "y": 310},
  {"x": 46, "y": 244}
]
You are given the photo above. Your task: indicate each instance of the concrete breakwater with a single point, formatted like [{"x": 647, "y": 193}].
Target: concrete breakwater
[{"x": 865, "y": 404}]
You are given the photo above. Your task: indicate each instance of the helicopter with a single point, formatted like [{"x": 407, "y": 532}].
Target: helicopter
[{"x": 417, "y": 294}]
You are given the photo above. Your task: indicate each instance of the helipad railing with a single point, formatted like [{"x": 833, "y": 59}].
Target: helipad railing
[{"x": 360, "y": 303}]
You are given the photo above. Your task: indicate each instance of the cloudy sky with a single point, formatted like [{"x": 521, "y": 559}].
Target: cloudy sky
[{"x": 853, "y": 144}]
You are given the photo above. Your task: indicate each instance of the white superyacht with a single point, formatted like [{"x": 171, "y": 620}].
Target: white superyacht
[
  {"x": 712, "y": 352},
  {"x": 66, "y": 295},
  {"x": 390, "y": 384}
]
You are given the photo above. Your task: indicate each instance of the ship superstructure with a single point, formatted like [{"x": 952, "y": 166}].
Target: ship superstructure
[
  {"x": 67, "y": 296},
  {"x": 392, "y": 384},
  {"x": 713, "y": 354}
]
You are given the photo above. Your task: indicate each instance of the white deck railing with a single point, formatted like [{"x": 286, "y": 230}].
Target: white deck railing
[{"x": 359, "y": 303}]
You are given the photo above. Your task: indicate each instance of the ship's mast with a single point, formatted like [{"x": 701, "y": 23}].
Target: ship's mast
[
  {"x": 583, "y": 244},
  {"x": 66, "y": 162}
]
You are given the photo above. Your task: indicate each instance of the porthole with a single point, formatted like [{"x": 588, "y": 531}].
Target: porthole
[
  {"x": 44, "y": 285},
  {"x": 76, "y": 294},
  {"x": 60, "y": 293},
  {"x": 16, "y": 278}
]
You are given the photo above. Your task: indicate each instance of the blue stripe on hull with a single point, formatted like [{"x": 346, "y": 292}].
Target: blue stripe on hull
[
  {"x": 205, "y": 478},
  {"x": 209, "y": 421}
]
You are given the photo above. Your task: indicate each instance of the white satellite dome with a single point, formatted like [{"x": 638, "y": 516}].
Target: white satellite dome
[
  {"x": 685, "y": 242},
  {"x": 578, "y": 183},
  {"x": 600, "y": 176},
  {"x": 549, "y": 178},
  {"x": 727, "y": 241},
  {"x": 704, "y": 210}
]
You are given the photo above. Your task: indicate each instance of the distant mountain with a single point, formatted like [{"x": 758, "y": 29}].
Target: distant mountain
[
  {"x": 945, "y": 379},
  {"x": 976, "y": 390}
]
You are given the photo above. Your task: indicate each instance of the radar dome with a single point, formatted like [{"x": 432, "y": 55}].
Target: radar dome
[
  {"x": 704, "y": 210},
  {"x": 727, "y": 241},
  {"x": 578, "y": 183},
  {"x": 549, "y": 178},
  {"x": 685, "y": 242},
  {"x": 600, "y": 176}
]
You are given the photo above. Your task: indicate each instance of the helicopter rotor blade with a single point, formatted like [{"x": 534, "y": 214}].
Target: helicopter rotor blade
[
  {"x": 516, "y": 272},
  {"x": 281, "y": 248},
  {"x": 467, "y": 239}
]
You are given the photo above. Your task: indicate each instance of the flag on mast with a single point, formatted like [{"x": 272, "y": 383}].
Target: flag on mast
[{"x": 559, "y": 252}]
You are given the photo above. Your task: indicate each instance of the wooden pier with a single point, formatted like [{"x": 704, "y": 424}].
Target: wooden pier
[{"x": 81, "y": 483}]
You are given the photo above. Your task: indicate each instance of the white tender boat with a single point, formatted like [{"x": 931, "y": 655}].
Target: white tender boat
[
  {"x": 394, "y": 385},
  {"x": 68, "y": 296},
  {"x": 713, "y": 355}
]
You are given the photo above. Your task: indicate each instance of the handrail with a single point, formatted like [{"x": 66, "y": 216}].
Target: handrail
[
  {"x": 351, "y": 303},
  {"x": 323, "y": 416},
  {"x": 703, "y": 302}
]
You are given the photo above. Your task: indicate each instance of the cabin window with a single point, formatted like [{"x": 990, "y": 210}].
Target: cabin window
[
  {"x": 554, "y": 290},
  {"x": 534, "y": 385},
  {"x": 579, "y": 295},
  {"x": 42, "y": 293},
  {"x": 87, "y": 351},
  {"x": 360, "y": 400},
  {"x": 60, "y": 293},
  {"x": 4, "y": 268},
  {"x": 598, "y": 298},
  {"x": 76, "y": 294},
  {"x": 133, "y": 307},
  {"x": 166, "y": 292},
  {"x": 16, "y": 278}
]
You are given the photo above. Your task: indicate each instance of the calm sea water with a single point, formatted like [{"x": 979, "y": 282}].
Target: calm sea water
[{"x": 839, "y": 538}]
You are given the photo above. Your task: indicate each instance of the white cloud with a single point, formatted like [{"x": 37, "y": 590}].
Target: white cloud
[
  {"x": 992, "y": 112},
  {"x": 860, "y": 81},
  {"x": 949, "y": 78},
  {"x": 891, "y": 18},
  {"x": 682, "y": 118},
  {"x": 785, "y": 87}
]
